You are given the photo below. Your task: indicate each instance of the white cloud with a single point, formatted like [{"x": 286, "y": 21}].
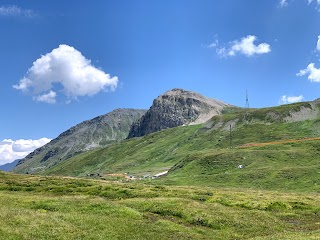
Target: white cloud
[
  {"x": 68, "y": 68},
  {"x": 47, "y": 98},
  {"x": 247, "y": 47},
  {"x": 283, "y": 3},
  {"x": 311, "y": 1},
  {"x": 318, "y": 44},
  {"x": 290, "y": 99},
  {"x": 244, "y": 46},
  {"x": 11, "y": 150},
  {"x": 13, "y": 11},
  {"x": 314, "y": 73},
  {"x": 214, "y": 44}
]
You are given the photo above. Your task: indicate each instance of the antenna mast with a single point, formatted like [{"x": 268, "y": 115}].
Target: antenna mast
[
  {"x": 247, "y": 100},
  {"x": 246, "y": 114}
]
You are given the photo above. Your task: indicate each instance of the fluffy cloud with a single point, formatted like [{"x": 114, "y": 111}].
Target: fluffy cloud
[
  {"x": 11, "y": 150},
  {"x": 12, "y": 11},
  {"x": 290, "y": 99},
  {"x": 244, "y": 46},
  {"x": 312, "y": 71},
  {"x": 67, "y": 68}
]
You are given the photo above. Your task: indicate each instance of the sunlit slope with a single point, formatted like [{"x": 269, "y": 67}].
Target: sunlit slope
[
  {"x": 210, "y": 155},
  {"x": 91, "y": 134},
  {"x": 149, "y": 154}
]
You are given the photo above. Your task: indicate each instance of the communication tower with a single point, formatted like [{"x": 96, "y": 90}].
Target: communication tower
[
  {"x": 247, "y": 100},
  {"x": 246, "y": 113}
]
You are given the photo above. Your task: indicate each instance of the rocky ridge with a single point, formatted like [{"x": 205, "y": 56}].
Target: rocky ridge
[
  {"x": 100, "y": 131},
  {"x": 175, "y": 108}
]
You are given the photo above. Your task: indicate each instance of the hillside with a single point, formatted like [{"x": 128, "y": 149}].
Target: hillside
[
  {"x": 9, "y": 166},
  {"x": 201, "y": 154},
  {"x": 175, "y": 108},
  {"x": 97, "y": 132},
  {"x": 244, "y": 174}
]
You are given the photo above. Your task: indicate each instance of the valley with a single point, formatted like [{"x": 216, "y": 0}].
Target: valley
[
  {"x": 242, "y": 174},
  {"x": 160, "y": 120}
]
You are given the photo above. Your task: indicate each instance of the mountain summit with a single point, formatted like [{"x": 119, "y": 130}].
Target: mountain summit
[
  {"x": 171, "y": 109},
  {"x": 175, "y": 108}
]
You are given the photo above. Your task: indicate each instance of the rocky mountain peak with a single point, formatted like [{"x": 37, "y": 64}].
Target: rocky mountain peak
[{"x": 174, "y": 108}]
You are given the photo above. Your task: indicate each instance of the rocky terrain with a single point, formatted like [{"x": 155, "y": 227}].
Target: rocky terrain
[
  {"x": 175, "y": 108},
  {"x": 100, "y": 131}
]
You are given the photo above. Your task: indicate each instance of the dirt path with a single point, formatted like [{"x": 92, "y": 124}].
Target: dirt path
[{"x": 277, "y": 142}]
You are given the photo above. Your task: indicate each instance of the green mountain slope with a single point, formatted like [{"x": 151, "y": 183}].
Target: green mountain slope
[
  {"x": 97, "y": 132},
  {"x": 208, "y": 155}
]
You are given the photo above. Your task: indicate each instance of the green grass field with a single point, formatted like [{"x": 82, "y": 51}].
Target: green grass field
[
  {"x": 284, "y": 167},
  {"x": 35, "y": 207},
  {"x": 204, "y": 195}
]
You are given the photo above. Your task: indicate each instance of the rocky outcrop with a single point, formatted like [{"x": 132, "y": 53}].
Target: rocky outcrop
[
  {"x": 100, "y": 131},
  {"x": 175, "y": 108}
]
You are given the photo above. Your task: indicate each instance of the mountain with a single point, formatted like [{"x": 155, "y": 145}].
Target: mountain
[
  {"x": 277, "y": 148},
  {"x": 175, "y": 108},
  {"x": 273, "y": 148},
  {"x": 100, "y": 131},
  {"x": 9, "y": 166}
]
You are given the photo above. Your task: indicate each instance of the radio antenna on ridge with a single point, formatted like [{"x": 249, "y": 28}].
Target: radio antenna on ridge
[
  {"x": 247, "y": 100},
  {"x": 246, "y": 114}
]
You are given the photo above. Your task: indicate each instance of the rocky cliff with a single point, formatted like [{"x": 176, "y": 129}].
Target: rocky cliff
[
  {"x": 175, "y": 108},
  {"x": 100, "y": 131}
]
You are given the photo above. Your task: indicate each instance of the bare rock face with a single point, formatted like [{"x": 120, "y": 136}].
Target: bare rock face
[
  {"x": 175, "y": 108},
  {"x": 97, "y": 132}
]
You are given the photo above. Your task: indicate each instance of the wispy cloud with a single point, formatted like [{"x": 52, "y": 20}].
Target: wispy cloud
[
  {"x": 290, "y": 99},
  {"x": 283, "y": 3},
  {"x": 318, "y": 44},
  {"x": 49, "y": 97},
  {"x": 316, "y": 1},
  {"x": 245, "y": 46},
  {"x": 15, "y": 11}
]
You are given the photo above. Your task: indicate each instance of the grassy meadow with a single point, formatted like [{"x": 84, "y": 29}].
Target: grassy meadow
[
  {"x": 204, "y": 195},
  {"x": 36, "y": 207}
]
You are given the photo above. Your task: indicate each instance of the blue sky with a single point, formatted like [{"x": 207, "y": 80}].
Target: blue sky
[{"x": 63, "y": 62}]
